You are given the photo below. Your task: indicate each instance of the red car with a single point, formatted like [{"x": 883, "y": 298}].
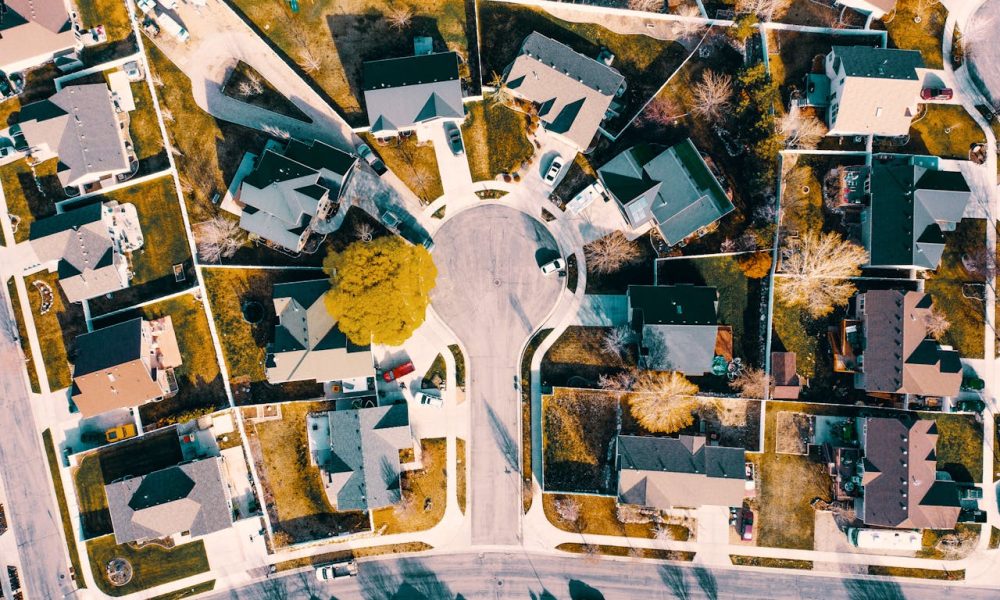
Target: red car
[
  {"x": 745, "y": 526},
  {"x": 937, "y": 94},
  {"x": 403, "y": 369}
]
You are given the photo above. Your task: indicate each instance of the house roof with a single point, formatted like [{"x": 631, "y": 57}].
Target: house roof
[
  {"x": 673, "y": 187},
  {"x": 666, "y": 472},
  {"x": 50, "y": 14},
  {"x": 901, "y": 487},
  {"x": 185, "y": 498},
  {"x": 879, "y": 63},
  {"x": 573, "y": 91},
  {"x": 80, "y": 125},
  {"x": 899, "y": 356},
  {"x": 33, "y": 31},
  {"x": 363, "y": 460},
  {"x": 307, "y": 344},
  {"x": 673, "y": 304},
  {"x": 108, "y": 347},
  {"x": 911, "y": 207},
  {"x": 401, "y": 92},
  {"x": 678, "y": 325}
]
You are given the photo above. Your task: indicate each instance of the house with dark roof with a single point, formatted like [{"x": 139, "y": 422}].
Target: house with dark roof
[
  {"x": 911, "y": 206},
  {"x": 886, "y": 345},
  {"x": 291, "y": 191},
  {"x": 901, "y": 484},
  {"x": 33, "y": 32},
  {"x": 574, "y": 93},
  {"x": 401, "y": 93},
  {"x": 190, "y": 500},
  {"x": 357, "y": 452},
  {"x": 87, "y": 247},
  {"x": 873, "y": 91},
  {"x": 677, "y": 327},
  {"x": 679, "y": 472},
  {"x": 307, "y": 345},
  {"x": 125, "y": 365},
  {"x": 80, "y": 125},
  {"x": 672, "y": 189}
]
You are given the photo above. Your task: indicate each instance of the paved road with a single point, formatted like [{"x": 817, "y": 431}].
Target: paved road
[
  {"x": 31, "y": 509},
  {"x": 492, "y": 294},
  {"x": 546, "y": 577},
  {"x": 984, "y": 51}
]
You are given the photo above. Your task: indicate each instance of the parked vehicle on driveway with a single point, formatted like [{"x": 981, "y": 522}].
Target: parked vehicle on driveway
[
  {"x": 937, "y": 94},
  {"x": 745, "y": 526},
  {"x": 122, "y": 432},
  {"x": 399, "y": 371},
  {"x": 454, "y": 138},
  {"x": 555, "y": 168},
  {"x": 553, "y": 266},
  {"x": 428, "y": 400},
  {"x": 368, "y": 155},
  {"x": 336, "y": 571}
]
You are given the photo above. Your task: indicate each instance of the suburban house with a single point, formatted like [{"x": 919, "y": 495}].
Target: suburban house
[
  {"x": 876, "y": 8},
  {"x": 902, "y": 486},
  {"x": 190, "y": 499},
  {"x": 785, "y": 381},
  {"x": 574, "y": 93},
  {"x": 872, "y": 91},
  {"x": 80, "y": 125},
  {"x": 125, "y": 365},
  {"x": 291, "y": 191},
  {"x": 357, "y": 452},
  {"x": 679, "y": 472},
  {"x": 672, "y": 189},
  {"x": 307, "y": 345},
  {"x": 86, "y": 247},
  {"x": 885, "y": 344},
  {"x": 34, "y": 32},
  {"x": 402, "y": 93},
  {"x": 678, "y": 328},
  {"x": 912, "y": 205}
]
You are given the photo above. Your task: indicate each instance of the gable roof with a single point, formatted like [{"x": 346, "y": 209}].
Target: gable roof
[
  {"x": 673, "y": 187},
  {"x": 33, "y": 31},
  {"x": 573, "y": 91},
  {"x": 50, "y": 14},
  {"x": 677, "y": 324},
  {"x": 879, "y": 63},
  {"x": 185, "y": 498},
  {"x": 401, "y": 92},
  {"x": 673, "y": 304}
]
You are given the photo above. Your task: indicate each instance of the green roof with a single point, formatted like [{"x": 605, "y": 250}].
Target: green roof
[
  {"x": 673, "y": 304},
  {"x": 879, "y": 63},
  {"x": 410, "y": 70}
]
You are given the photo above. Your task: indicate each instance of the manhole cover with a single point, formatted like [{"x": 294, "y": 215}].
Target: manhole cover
[{"x": 497, "y": 283}]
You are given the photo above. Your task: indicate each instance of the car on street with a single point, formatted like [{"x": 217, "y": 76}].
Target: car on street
[
  {"x": 454, "y": 138},
  {"x": 937, "y": 94},
  {"x": 553, "y": 266},
  {"x": 336, "y": 571},
  {"x": 555, "y": 168},
  {"x": 428, "y": 400},
  {"x": 367, "y": 155},
  {"x": 122, "y": 432}
]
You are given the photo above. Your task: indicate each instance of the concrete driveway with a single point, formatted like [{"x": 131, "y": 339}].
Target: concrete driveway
[
  {"x": 455, "y": 173},
  {"x": 492, "y": 294}
]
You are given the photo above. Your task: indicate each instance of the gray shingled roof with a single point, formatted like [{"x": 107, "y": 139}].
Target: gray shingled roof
[
  {"x": 401, "y": 92},
  {"x": 678, "y": 325},
  {"x": 108, "y": 347},
  {"x": 50, "y": 14},
  {"x": 879, "y": 63}
]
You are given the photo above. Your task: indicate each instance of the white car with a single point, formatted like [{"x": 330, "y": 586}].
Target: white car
[
  {"x": 554, "y": 266},
  {"x": 427, "y": 400},
  {"x": 336, "y": 571},
  {"x": 554, "y": 169}
]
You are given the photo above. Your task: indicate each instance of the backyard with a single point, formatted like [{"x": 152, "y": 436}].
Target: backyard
[
  {"x": 413, "y": 162},
  {"x": 23, "y": 198},
  {"x": 578, "y": 358},
  {"x": 293, "y": 489},
  {"x": 578, "y": 438},
  {"x": 57, "y": 328},
  {"x": 424, "y": 494},
  {"x": 925, "y": 36},
  {"x": 152, "y": 565},
  {"x": 91, "y": 499},
  {"x": 496, "y": 140},
  {"x": 110, "y": 13},
  {"x": 956, "y": 291}
]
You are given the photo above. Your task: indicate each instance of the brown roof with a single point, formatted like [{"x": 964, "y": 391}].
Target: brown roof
[
  {"x": 900, "y": 482},
  {"x": 50, "y": 14},
  {"x": 784, "y": 376}
]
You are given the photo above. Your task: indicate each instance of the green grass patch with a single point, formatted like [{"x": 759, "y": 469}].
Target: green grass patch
[
  {"x": 953, "y": 289},
  {"x": 773, "y": 563},
  {"x": 187, "y": 592},
  {"x": 790, "y": 326},
  {"x": 960, "y": 447},
  {"x": 23, "y": 198},
  {"x": 22, "y": 334},
  {"x": 143, "y": 127},
  {"x": 152, "y": 565},
  {"x": 91, "y": 498},
  {"x": 925, "y": 36},
  {"x": 67, "y": 523},
  {"x": 413, "y": 162},
  {"x": 956, "y": 575},
  {"x": 496, "y": 140},
  {"x": 112, "y": 14},
  {"x": 945, "y": 130},
  {"x": 56, "y": 329}
]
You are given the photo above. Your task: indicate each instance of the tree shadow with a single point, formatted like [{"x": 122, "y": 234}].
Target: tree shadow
[
  {"x": 674, "y": 579},
  {"x": 707, "y": 583},
  {"x": 873, "y": 589},
  {"x": 543, "y": 595},
  {"x": 421, "y": 581},
  {"x": 503, "y": 439},
  {"x": 579, "y": 590}
]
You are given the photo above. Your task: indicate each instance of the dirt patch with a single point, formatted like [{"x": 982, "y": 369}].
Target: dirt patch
[{"x": 793, "y": 434}]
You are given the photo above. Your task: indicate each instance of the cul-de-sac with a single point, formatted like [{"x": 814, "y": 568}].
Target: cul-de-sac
[{"x": 483, "y": 299}]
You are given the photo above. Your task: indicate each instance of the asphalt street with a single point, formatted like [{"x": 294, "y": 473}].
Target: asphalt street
[
  {"x": 525, "y": 576},
  {"x": 32, "y": 513},
  {"x": 984, "y": 50},
  {"x": 492, "y": 294}
]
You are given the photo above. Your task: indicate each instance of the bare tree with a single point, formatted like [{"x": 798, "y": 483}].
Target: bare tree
[
  {"x": 662, "y": 402},
  {"x": 568, "y": 509},
  {"x": 751, "y": 383},
  {"x": 801, "y": 130},
  {"x": 308, "y": 61},
  {"x": 364, "y": 231},
  {"x": 617, "y": 340},
  {"x": 727, "y": 246},
  {"x": 646, "y": 5},
  {"x": 712, "y": 95},
  {"x": 611, "y": 253},
  {"x": 980, "y": 261},
  {"x": 219, "y": 238},
  {"x": 816, "y": 270},
  {"x": 663, "y": 533},
  {"x": 618, "y": 382},
  {"x": 936, "y": 323},
  {"x": 400, "y": 17},
  {"x": 765, "y": 9},
  {"x": 663, "y": 110},
  {"x": 501, "y": 93},
  {"x": 155, "y": 78},
  {"x": 167, "y": 115},
  {"x": 686, "y": 28}
]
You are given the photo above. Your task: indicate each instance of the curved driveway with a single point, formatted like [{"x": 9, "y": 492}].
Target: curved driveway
[{"x": 492, "y": 295}]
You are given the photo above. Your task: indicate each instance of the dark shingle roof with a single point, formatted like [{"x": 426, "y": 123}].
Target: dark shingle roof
[
  {"x": 320, "y": 156},
  {"x": 879, "y": 63},
  {"x": 673, "y": 304},
  {"x": 591, "y": 73},
  {"x": 273, "y": 168},
  {"x": 71, "y": 219},
  {"x": 108, "y": 347},
  {"x": 683, "y": 454},
  {"x": 161, "y": 487},
  {"x": 410, "y": 70}
]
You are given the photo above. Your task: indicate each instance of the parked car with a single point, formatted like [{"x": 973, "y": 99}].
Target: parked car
[
  {"x": 368, "y": 155},
  {"x": 6, "y": 89},
  {"x": 398, "y": 371},
  {"x": 746, "y": 524},
  {"x": 122, "y": 432},
  {"x": 553, "y": 266},
  {"x": 428, "y": 400},
  {"x": 937, "y": 94},
  {"x": 454, "y": 138},
  {"x": 554, "y": 169},
  {"x": 336, "y": 571}
]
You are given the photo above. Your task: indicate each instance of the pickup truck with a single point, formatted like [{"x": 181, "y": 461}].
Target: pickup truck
[
  {"x": 397, "y": 372},
  {"x": 336, "y": 571}
]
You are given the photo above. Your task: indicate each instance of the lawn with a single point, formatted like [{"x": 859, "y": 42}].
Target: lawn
[
  {"x": 413, "y": 162},
  {"x": 653, "y": 553},
  {"x": 193, "y": 590},
  {"x": 578, "y": 358},
  {"x": 424, "y": 494},
  {"x": 293, "y": 489},
  {"x": 93, "y": 503},
  {"x": 23, "y": 198},
  {"x": 144, "y": 128},
  {"x": 68, "y": 530},
  {"x": 460, "y": 482},
  {"x": 112, "y": 14},
  {"x": 244, "y": 76},
  {"x": 57, "y": 329},
  {"x": 599, "y": 516},
  {"x": 925, "y": 36},
  {"x": 774, "y": 563},
  {"x": 802, "y": 204},
  {"x": 152, "y": 565},
  {"x": 636, "y": 272},
  {"x": 22, "y": 334},
  {"x": 960, "y": 447},
  {"x": 342, "y": 34},
  {"x": 209, "y": 151},
  {"x": 645, "y": 62},
  {"x": 578, "y": 437},
  {"x": 527, "y": 468},
  {"x": 459, "y": 365},
  {"x": 944, "y": 130},
  {"x": 947, "y": 286},
  {"x": 496, "y": 140},
  {"x": 956, "y": 575},
  {"x": 996, "y": 447}
]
